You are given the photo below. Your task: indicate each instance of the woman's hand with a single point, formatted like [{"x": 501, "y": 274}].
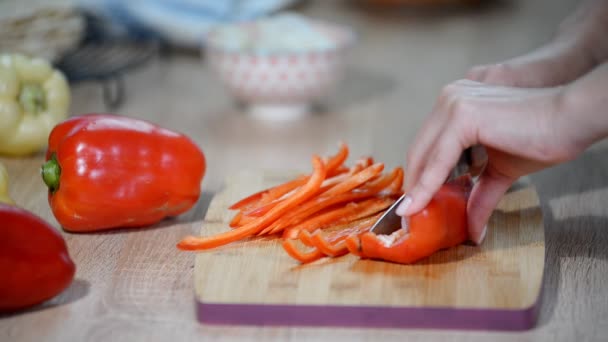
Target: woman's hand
[
  {"x": 523, "y": 130},
  {"x": 528, "y": 112}
]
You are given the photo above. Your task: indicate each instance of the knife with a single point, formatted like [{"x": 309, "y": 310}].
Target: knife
[{"x": 390, "y": 221}]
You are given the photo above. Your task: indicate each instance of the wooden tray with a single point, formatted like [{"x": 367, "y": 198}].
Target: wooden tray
[{"x": 494, "y": 286}]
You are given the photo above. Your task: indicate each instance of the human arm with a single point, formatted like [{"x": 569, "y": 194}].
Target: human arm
[
  {"x": 524, "y": 130},
  {"x": 578, "y": 46}
]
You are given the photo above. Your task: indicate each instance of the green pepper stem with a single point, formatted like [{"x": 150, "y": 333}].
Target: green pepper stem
[
  {"x": 50, "y": 174},
  {"x": 32, "y": 98}
]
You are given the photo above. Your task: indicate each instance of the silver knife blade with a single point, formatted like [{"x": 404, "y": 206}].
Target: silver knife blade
[{"x": 389, "y": 222}]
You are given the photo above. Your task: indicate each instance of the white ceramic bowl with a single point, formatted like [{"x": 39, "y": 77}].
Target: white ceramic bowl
[{"x": 281, "y": 84}]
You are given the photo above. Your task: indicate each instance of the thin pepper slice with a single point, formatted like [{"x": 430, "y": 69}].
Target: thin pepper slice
[
  {"x": 306, "y": 238},
  {"x": 353, "y": 244},
  {"x": 192, "y": 243},
  {"x": 327, "y": 185},
  {"x": 268, "y": 195},
  {"x": 333, "y": 244},
  {"x": 355, "y": 181},
  {"x": 349, "y": 213},
  {"x": 303, "y": 257},
  {"x": 332, "y": 166},
  {"x": 310, "y": 208},
  {"x": 332, "y": 249},
  {"x": 396, "y": 186},
  {"x": 322, "y": 202}
]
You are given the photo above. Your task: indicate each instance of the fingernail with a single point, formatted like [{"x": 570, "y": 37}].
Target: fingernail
[
  {"x": 402, "y": 208},
  {"x": 482, "y": 236}
]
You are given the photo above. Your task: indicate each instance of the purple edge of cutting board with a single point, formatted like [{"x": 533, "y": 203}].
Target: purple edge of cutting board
[{"x": 369, "y": 316}]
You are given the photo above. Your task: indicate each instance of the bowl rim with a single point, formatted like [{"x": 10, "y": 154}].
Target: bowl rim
[{"x": 347, "y": 34}]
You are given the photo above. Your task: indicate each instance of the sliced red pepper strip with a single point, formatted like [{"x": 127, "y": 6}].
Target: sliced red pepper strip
[
  {"x": 365, "y": 161},
  {"x": 318, "y": 204},
  {"x": 349, "y": 213},
  {"x": 339, "y": 178},
  {"x": 331, "y": 182},
  {"x": 236, "y": 220},
  {"x": 383, "y": 181},
  {"x": 334, "y": 164},
  {"x": 310, "y": 208},
  {"x": 333, "y": 244},
  {"x": 328, "y": 191},
  {"x": 353, "y": 244},
  {"x": 335, "y": 196},
  {"x": 303, "y": 257},
  {"x": 333, "y": 167},
  {"x": 340, "y": 170},
  {"x": 271, "y": 193},
  {"x": 271, "y": 197},
  {"x": 249, "y": 200},
  {"x": 306, "y": 238},
  {"x": 241, "y": 221},
  {"x": 396, "y": 187},
  {"x": 333, "y": 249},
  {"x": 355, "y": 180},
  {"x": 304, "y": 193},
  {"x": 290, "y": 233},
  {"x": 357, "y": 228}
]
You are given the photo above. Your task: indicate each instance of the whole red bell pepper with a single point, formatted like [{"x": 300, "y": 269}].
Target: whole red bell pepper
[
  {"x": 107, "y": 171},
  {"x": 34, "y": 260}
]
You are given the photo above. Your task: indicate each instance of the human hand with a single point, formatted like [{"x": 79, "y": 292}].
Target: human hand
[{"x": 523, "y": 131}]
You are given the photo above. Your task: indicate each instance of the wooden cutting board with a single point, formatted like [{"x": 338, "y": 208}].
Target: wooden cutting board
[{"x": 493, "y": 286}]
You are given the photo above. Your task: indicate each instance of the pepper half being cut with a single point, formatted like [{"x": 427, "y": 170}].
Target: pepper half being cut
[
  {"x": 442, "y": 224},
  {"x": 109, "y": 171}
]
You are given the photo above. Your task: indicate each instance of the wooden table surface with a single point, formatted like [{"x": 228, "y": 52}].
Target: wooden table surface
[{"x": 134, "y": 284}]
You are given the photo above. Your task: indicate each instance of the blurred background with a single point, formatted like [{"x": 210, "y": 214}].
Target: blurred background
[
  {"x": 247, "y": 76},
  {"x": 102, "y": 40},
  {"x": 230, "y": 75}
]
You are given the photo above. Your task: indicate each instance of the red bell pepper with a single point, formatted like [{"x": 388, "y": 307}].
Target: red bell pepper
[
  {"x": 34, "y": 260},
  {"x": 442, "y": 224},
  {"x": 108, "y": 171}
]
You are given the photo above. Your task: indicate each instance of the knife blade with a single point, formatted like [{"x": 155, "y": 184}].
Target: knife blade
[{"x": 390, "y": 221}]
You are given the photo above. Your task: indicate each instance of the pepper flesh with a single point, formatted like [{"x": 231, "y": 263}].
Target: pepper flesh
[
  {"x": 108, "y": 171},
  {"x": 34, "y": 260},
  {"x": 442, "y": 224},
  {"x": 4, "y": 197},
  {"x": 34, "y": 97}
]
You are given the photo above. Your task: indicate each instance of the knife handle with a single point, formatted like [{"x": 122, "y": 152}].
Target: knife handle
[{"x": 472, "y": 161}]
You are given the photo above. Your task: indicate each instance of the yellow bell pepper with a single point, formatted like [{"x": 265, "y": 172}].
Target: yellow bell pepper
[
  {"x": 4, "y": 197},
  {"x": 34, "y": 97}
]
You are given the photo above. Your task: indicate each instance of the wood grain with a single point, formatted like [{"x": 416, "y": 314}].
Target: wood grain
[
  {"x": 134, "y": 285},
  {"x": 257, "y": 275}
]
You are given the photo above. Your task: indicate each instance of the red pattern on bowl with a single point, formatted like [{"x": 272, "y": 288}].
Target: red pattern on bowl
[{"x": 282, "y": 78}]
